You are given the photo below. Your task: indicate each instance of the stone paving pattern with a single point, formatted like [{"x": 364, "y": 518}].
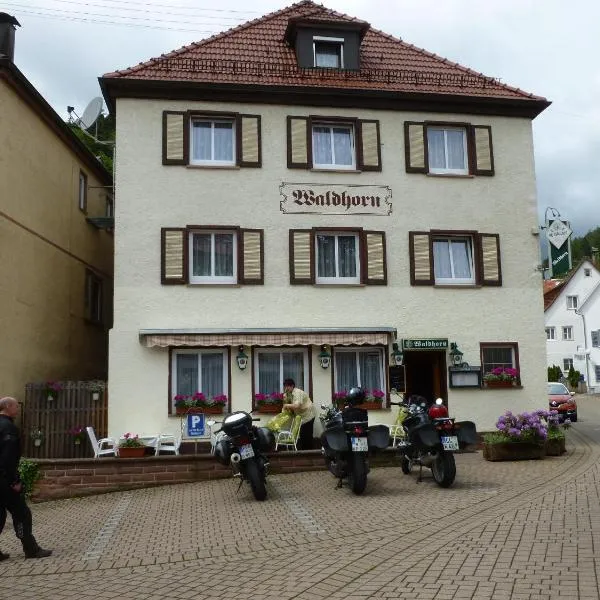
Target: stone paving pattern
[{"x": 523, "y": 530}]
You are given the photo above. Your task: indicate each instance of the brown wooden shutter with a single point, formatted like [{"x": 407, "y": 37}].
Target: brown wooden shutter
[
  {"x": 173, "y": 242},
  {"x": 298, "y": 143},
  {"x": 483, "y": 154},
  {"x": 490, "y": 270},
  {"x": 369, "y": 155},
  {"x": 421, "y": 259},
  {"x": 302, "y": 265},
  {"x": 373, "y": 258},
  {"x": 248, "y": 136},
  {"x": 415, "y": 147},
  {"x": 175, "y": 138},
  {"x": 251, "y": 256}
]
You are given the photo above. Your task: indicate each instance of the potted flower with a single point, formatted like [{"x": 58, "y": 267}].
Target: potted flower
[
  {"x": 51, "y": 389},
  {"x": 268, "y": 403},
  {"x": 501, "y": 377},
  {"x": 518, "y": 437},
  {"x": 130, "y": 446},
  {"x": 37, "y": 435},
  {"x": 339, "y": 398},
  {"x": 96, "y": 387},
  {"x": 556, "y": 439},
  {"x": 181, "y": 403},
  {"x": 78, "y": 434},
  {"x": 374, "y": 399}
]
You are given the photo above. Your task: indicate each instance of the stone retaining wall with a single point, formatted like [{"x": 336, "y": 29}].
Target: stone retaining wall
[{"x": 66, "y": 478}]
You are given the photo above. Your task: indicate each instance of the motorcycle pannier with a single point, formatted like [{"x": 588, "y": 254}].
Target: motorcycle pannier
[
  {"x": 378, "y": 436},
  {"x": 236, "y": 423},
  {"x": 424, "y": 435},
  {"x": 266, "y": 439},
  {"x": 466, "y": 433},
  {"x": 223, "y": 451},
  {"x": 337, "y": 440}
]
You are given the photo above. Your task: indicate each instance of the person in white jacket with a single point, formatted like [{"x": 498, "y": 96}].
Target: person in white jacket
[{"x": 298, "y": 402}]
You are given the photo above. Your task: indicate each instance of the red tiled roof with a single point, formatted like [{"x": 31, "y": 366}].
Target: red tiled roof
[
  {"x": 552, "y": 289},
  {"x": 256, "y": 53}
]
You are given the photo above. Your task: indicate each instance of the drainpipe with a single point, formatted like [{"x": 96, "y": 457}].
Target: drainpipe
[{"x": 587, "y": 360}]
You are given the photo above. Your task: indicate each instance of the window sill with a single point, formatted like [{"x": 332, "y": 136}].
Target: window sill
[
  {"x": 226, "y": 167},
  {"x": 450, "y": 286},
  {"x": 321, "y": 170},
  {"x": 451, "y": 175},
  {"x": 219, "y": 285},
  {"x": 502, "y": 387},
  {"x": 340, "y": 285}
]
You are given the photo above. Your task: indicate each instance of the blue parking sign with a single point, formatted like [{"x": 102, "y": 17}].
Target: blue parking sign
[{"x": 195, "y": 425}]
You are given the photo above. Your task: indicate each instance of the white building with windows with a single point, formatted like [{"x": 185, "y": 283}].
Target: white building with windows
[
  {"x": 572, "y": 320},
  {"x": 305, "y": 196}
]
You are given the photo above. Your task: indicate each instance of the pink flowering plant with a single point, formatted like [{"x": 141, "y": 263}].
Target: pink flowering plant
[
  {"x": 199, "y": 400},
  {"x": 131, "y": 440},
  {"x": 375, "y": 395},
  {"x": 268, "y": 399},
  {"x": 502, "y": 374},
  {"x": 51, "y": 389},
  {"x": 78, "y": 434}
]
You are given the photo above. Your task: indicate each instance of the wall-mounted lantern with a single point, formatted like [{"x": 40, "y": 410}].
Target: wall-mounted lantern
[
  {"x": 242, "y": 358},
  {"x": 396, "y": 357},
  {"x": 324, "y": 357},
  {"x": 456, "y": 355}
]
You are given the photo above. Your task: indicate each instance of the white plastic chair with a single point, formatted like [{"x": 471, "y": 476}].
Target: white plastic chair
[
  {"x": 214, "y": 437},
  {"x": 167, "y": 442},
  {"x": 290, "y": 437},
  {"x": 104, "y": 446}
]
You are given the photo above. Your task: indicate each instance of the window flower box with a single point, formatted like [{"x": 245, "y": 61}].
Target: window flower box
[
  {"x": 132, "y": 452},
  {"x": 499, "y": 384},
  {"x": 199, "y": 403},
  {"x": 269, "y": 403}
]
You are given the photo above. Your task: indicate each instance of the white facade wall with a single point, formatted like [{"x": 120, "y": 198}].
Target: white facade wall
[
  {"x": 559, "y": 316},
  {"x": 151, "y": 196}
]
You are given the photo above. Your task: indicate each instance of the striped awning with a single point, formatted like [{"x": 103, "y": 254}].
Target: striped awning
[{"x": 304, "y": 337}]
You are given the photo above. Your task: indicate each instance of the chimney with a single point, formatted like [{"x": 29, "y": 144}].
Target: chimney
[{"x": 8, "y": 25}]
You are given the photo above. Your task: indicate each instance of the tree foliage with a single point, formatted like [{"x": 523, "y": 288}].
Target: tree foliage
[
  {"x": 103, "y": 130},
  {"x": 582, "y": 247}
]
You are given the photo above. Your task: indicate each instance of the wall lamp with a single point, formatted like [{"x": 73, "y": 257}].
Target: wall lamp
[{"x": 242, "y": 358}]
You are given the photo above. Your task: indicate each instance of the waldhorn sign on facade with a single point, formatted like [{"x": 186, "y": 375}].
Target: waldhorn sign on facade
[{"x": 332, "y": 199}]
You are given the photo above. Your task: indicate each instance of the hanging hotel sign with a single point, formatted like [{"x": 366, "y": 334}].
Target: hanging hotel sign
[
  {"x": 333, "y": 199},
  {"x": 425, "y": 344},
  {"x": 559, "y": 247}
]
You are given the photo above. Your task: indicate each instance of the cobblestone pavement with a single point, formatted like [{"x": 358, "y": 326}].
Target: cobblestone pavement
[{"x": 523, "y": 530}]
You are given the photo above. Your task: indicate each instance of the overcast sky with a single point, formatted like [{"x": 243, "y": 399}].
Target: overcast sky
[{"x": 547, "y": 47}]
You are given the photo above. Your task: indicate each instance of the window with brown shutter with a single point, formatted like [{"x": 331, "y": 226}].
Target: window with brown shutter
[
  {"x": 456, "y": 258},
  {"x": 337, "y": 256},
  {"x": 212, "y": 254},
  {"x": 333, "y": 143},
  {"x": 211, "y": 139},
  {"x": 448, "y": 148}
]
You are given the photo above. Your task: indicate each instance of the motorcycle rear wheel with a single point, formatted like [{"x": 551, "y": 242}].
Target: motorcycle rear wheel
[
  {"x": 443, "y": 469},
  {"x": 256, "y": 479},
  {"x": 358, "y": 475},
  {"x": 406, "y": 465}
]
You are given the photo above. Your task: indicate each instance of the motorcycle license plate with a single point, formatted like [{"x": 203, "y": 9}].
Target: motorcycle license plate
[
  {"x": 246, "y": 451},
  {"x": 359, "y": 444},
  {"x": 450, "y": 442}
]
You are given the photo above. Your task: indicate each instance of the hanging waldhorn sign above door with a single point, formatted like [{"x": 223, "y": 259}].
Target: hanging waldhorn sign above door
[{"x": 335, "y": 199}]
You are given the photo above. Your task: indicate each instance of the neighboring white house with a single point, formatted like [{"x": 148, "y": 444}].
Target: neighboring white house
[
  {"x": 304, "y": 185},
  {"x": 572, "y": 320}
]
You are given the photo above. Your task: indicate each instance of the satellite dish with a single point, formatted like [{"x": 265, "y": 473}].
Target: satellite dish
[{"x": 91, "y": 113}]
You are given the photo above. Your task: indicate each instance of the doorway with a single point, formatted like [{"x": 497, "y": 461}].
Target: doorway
[{"x": 426, "y": 374}]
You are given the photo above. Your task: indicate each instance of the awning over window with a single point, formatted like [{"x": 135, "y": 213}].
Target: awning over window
[{"x": 358, "y": 336}]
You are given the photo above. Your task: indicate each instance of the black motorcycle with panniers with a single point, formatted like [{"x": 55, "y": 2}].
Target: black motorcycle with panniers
[
  {"x": 431, "y": 437},
  {"x": 348, "y": 440},
  {"x": 243, "y": 446}
]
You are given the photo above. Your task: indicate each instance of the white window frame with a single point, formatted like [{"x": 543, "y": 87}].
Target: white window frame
[
  {"x": 337, "y": 280},
  {"x": 212, "y": 278},
  {"x": 565, "y": 368},
  {"x": 213, "y": 122},
  {"x": 567, "y": 333},
  {"x": 572, "y": 302},
  {"x": 456, "y": 280},
  {"x": 292, "y": 350},
  {"x": 331, "y": 41},
  {"x": 587, "y": 272},
  {"x": 199, "y": 352},
  {"x": 331, "y": 126},
  {"x": 551, "y": 333},
  {"x": 446, "y": 170},
  {"x": 358, "y": 350}
]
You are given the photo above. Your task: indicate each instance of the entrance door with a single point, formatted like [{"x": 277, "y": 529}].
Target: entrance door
[{"x": 426, "y": 373}]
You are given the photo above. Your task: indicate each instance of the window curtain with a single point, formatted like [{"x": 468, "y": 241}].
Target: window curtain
[
  {"x": 201, "y": 254},
  {"x": 187, "y": 374},
  {"x": 211, "y": 367},
  {"x": 223, "y": 141},
  {"x": 326, "y": 255},
  {"x": 201, "y": 140},
  {"x": 346, "y": 255},
  {"x": 461, "y": 259},
  {"x": 268, "y": 373},
  {"x": 345, "y": 371},
  {"x": 223, "y": 254},
  {"x": 441, "y": 259},
  {"x": 370, "y": 370},
  {"x": 342, "y": 145},
  {"x": 293, "y": 368},
  {"x": 456, "y": 149},
  {"x": 322, "y": 154},
  {"x": 497, "y": 357},
  {"x": 435, "y": 149},
  {"x": 327, "y": 55}
]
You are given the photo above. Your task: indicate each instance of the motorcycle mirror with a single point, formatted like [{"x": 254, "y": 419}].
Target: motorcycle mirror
[{"x": 439, "y": 402}]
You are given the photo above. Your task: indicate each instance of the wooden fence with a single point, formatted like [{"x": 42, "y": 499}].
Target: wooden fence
[{"x": 75, "y": 404}]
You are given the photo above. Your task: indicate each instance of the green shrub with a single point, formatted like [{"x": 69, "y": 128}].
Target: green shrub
[
  {"x": 554, "y": 373},
  {"x": 29, "y": 473},
  {"x": 573, "y": 378}
]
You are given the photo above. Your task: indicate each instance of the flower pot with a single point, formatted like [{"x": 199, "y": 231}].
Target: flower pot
[
  {"x": 50, "y": 397},
  {"x": 209, "y": 410},
  {"x": 95, "y": 395},
  {"x": 555, "y": 447},
  {"x": 498, "y": 384},
  {"x": 514, "y": 451},
  {"x": 37, "y": 442},
  {"x": 77, "y": 442},
  {"x": 132, "y": 452},
  {"x": 269, "y": 408},
  {"x": 371, "y": 405}
]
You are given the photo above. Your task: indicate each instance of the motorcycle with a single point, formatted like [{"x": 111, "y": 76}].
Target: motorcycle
[
  {"x": 430, "y": 437},
  {"x": 347, "y": 441},
  {"x": 242, "y": 445}
]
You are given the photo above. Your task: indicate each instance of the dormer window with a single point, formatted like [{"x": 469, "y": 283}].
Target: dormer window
[{"x": 328, "y": 52}]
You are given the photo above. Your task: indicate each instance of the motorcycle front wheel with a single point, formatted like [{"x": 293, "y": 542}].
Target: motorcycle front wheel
[
  {"x": 256, "y": 479},
  {"x": 358, "y": 474},
  {"x": 443, "y": 469}
]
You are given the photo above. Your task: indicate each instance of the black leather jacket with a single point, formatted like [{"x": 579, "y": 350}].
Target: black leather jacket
[{"x": 10, "y": 451}]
